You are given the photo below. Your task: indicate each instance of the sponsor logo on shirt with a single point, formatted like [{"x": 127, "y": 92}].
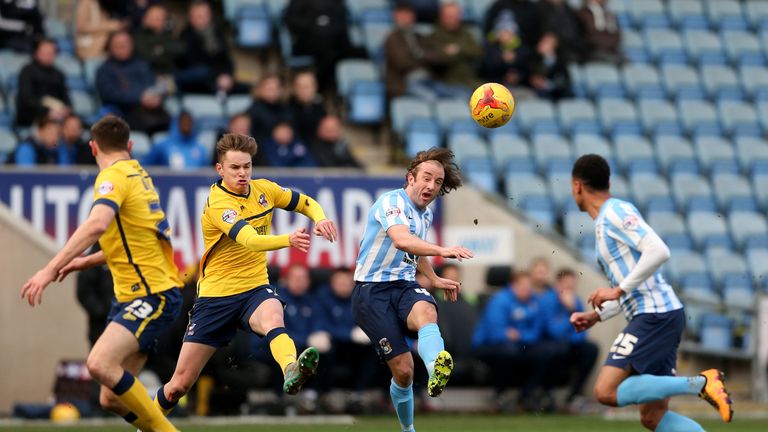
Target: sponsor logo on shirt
[
  {"x": 229, "y": 216},
  {"x": 106, "y": 187},
  {"x": 392, "y": 212},
  {"x": 630, "y": 223}
]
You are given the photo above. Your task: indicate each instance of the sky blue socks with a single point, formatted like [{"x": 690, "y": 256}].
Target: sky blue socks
[
  {"x": 646, "y": 388},
  {"x": 674, "y": 422},
  {"x": 430, "y": 344},
  {"x": 402, "y": 399}
]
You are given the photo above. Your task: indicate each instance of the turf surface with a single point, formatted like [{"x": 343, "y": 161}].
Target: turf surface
[{"x": 437, "y": 423}]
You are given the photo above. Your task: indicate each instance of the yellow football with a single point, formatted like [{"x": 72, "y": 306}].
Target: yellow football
[
  {"x": 64, "y": 413},
  {"x": 491, "y": 105}
]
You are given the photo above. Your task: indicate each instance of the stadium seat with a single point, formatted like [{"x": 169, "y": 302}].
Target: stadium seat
[
  {"x": 666, "y": 223},
  {"x": 686, "y": 188},
  {"x": 8, "y": 144},
  {"x": 644, "y": 187},
  {"x": 236, "y": 104},
  {"x": 448, "y": 111},
  {"x": 642, "y": 81},
  {"x": 697, "y": 288},
  {"x": 726, "y": 14},
  {"x": 640, "y": 11},
  {"x": 617, "y": 114},
  {"x": 232, "y": 7},
  {"x": 751, "y": 151},
  {"x": 366, "y": 102},
  {"x": 531, "y": 112},
  {"x": 739, "y": 118},
  {"x": 754, "y": 81},
  {"x": 711, "y": 150},
  {"x": 540, "y": 209},
  {"x": 716, "y": 332},
  {"x": 206, "y": 110},
  {"x": 574, "y": 112},
  {"x": 6, "y": 116},
  {"x": 756, "y": 12},
  {"x": 633, "y": 46},
  {"x": 254, "y": 27},
  {"x": 687, "y": 14},
  {"x": 578, "y": 225},
  {"x": 504, "y": 149},
  {"x": 603, "y": 80},
  {"x": 141, "y": 144},
  {"x": 70, "y": 66},
  {"x": 402, "y": 109},
  {"x": 722, "y": 263},
  {"x": 349, "y": 71},
  {"x": 467, "y": 147},
  {"x": 721, "y": 83},
  {"x": 698, "y": 118},
  {"x": 480, "y": 173},
  {"x": 548, "y": 147},
  {"x": 659, "y": 117},
  {"x": 680, "y": 265},
  {"x": 758, "y": 263},
  {"x": 630, "y": 149},
  {"x": 619, "y": 187},
  {"x": 704, "y": 48},
  {"x": 520, "y": 187},
  {"x": 744, "y": 225},
  {"x": 729, "y": 188},
  {"x": 592, "y": 144},
  {"x": 421, "y": 134},
  {"x": 706, "y": 227},
  {"x": 83, "y": 104},
  {"x": 666, "y": 46},
  {"x": 357, "y": 7},
  {"x": 374, "y": 35},
  {"x": 743, "y": 48},
  {"x": 12, "y": 63},
  {"x": 671, "y": 149},
  {"x": 681, "y": 82}
]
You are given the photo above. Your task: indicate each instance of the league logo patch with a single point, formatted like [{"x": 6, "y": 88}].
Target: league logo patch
[
  {"x": 630, "y": 223},
  {"x": 263, "y": 200},
  {"x": 386, "y": 348},
  {"x": 105, "y": 187},
  {"x": 229, "y": 216},
  {"x": 392, "y": 212}
]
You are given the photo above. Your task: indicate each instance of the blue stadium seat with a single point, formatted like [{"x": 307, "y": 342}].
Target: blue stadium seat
[
  {"x": 90, "y": 67},
  {"x": 727, "y": 15},
  {"x": 254, "y": 27},
  {"x": 739, "y": 119},
  {"x": 666, "y": 223},
  {"x": 357, "y": 7},
  {"x": 730, "y": 187},
  {"x": 722, "y": 263},
  {"x": 480, "y": 173},
  {"x": 756, "y": 12},
  {"x": 758, "y": 263},
  {"x": 12, "y": 63},
  {"x": 83, "y": 105},
  {"x": 699, "y": 118},
  {"x": 141, "y": 144},
  {"x": 704, "y": 48},
  {"x": 619, "y": 187},
  {"x": 642, "y": 81},
  {"x": 548, "y": 147},
  {"x": 646, "y": 186},
  {"x": 6, "y": 116},
  {"x": 754, "y": 81},
  {"x": 670, "y": 149},
  {"x": 349, "y": 71},
  {"x": 207, "y": 110},
  {"x": 681, "y": 82},
  {"x": 8, "y": 144},
  {"x": 467, "y": 147},
  {"x": 703, "y": 226},
  {"x": 520, "y": 187},
  {"x": 659, "y": 117},
  {"x": 721, "y": 83},
  {"x": 366, "y": 102},
  {"x": 374, "y": 35},
  {"x": 574, "y": 112},
  {"x": 617, "y": 115},
  {"x": 743, "y": 48},
  {"x": 698, "y": 288},
  {"x": 235, "y": 104},
  {"x": 744, "y": 225},
  {"x": 404, "y": 108},
  {"x": 711, "y": 150},
  {"x": 633, "y": 46},
  {"x": 232, "y": 7},
  {"x": 686, "y": 188},
  {"x": 641, "y": 11},
  {"x": 629, "y": 149},
  {"x": 751, "y": 151},
  {"x": 688, "y": 14},
  {"x": 421, "y": 134},
  {"x": 504, "y": 149},
  {"x": 540, "y": 209},
  {"x": 448, "y": 111},
  {"x": 716, "y": 332},
  {"x": 680, "y": 265},
  {"x": 666, "y": 46},
  {"x": 594, "y": 144},
  {"x": 578, "y": 225},
  {"x": 70, "y": 66},
  {"x": 603, "y": 80},
  {"x": 532, "y": 112}
]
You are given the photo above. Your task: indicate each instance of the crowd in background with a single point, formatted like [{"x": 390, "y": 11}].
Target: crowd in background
[
  {"x": 520, "y": 334},
  {"x": 148, "y": 59}
]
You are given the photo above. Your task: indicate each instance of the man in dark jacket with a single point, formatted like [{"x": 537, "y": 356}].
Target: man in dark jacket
[
  {"x": 207, "y": 66},
  {"x": 307, "y": 107},
  {"x": 155, "y": 42},
  {"x": 72, "y": 138},
  {"x": 127, "y": 83},
  {"x": 268, "y": 109},
  {"x": 455, "y": 51},
  {"x": 329, "y": 148},
  {"x": 42, "y": 87},
  {"x": 20, "y": 24},
  {"x": 319, "y": 29},
  {"x": 405, "y": 52}
]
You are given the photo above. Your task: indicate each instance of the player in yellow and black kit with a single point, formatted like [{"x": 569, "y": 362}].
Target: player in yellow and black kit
[
  {"x": 234, "y": 290},
  {"x": 130, "y": 226}
]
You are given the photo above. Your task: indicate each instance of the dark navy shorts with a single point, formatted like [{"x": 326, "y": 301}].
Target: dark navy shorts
[
  {"x": 649, "y": 343},
  {"x": 214, "y": 321},
  {"x": 148, "y": 317},
  {"x": 381, "y": 309}
]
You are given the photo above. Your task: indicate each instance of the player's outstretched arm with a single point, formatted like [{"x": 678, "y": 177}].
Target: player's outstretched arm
[
  {"x": 82, "y": 263},
  {"x": 247, "y": 236},
  {"x": 451, "y": 288},
  {"x": 84, "y": 237},
  {"x": 403, "y": 240}
]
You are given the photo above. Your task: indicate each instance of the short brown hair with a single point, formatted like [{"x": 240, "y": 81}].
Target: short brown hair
[
  {"x": 564, "y": 273},
  {"x": 235, "y": 142},
  {"x": 516, "y": 276},
  {"x": 445, "y": 158},
  {"x": 111, "y": 134}
]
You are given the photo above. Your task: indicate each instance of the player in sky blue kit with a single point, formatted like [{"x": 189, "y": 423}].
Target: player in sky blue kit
[
  {"x": 387, "y": 302},
  {"x": 640, "y": 368}
]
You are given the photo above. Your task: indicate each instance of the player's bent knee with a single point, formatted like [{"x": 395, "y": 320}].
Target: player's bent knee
[
  {"x": 650, "y": 419},
  {"x": 403, "y": 374},
  {"x": 97, "y": 367},
  {"x": 605, "y": 396}
]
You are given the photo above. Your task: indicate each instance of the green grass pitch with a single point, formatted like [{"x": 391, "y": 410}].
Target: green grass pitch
[{"x": 438, "y": 423}]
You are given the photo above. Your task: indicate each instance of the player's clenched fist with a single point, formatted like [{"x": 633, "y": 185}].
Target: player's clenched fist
[{"x": 299, "y": 239}]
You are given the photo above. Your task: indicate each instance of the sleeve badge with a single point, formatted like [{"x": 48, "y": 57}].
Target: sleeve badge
[
  {"x": 106, "y": 187},
  {"x": 229, "y": 216}
]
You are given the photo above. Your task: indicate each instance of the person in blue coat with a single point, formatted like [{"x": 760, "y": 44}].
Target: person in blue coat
[
  {"x": 181, "y": 150},
  {"x": 285, "y": 150},
  {"x": 580, "y": 354},
  {"x": 350, "y": 358},
  {"x": 508, "y": 337}
]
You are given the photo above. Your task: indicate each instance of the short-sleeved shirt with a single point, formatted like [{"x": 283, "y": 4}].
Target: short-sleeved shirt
[
  {"x": 227, "y": 267},
  {"x": 619, "y": 229},
  {"x": 137, "y": 243},
  {"x": 379, "y": 260}
]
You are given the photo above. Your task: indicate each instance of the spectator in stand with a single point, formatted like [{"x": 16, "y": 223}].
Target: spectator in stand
[
  {"x": 21, "y": 23},
  {"x": 181, "y": 150},
  {"x": 127, "y": 83},
  {"x": 508, "y": 337},
  {"x": 541, "y": 277},
  {"x": 329, "y": 148},
  {"x": 268, "y": 108},
  {"x": 319, "y": 28},
  {"x": 505, "y": 60},
  {"x": 43, "y": 147},
  {"x": 349, "y": 346},
  {"x": 42, "y": 87},
  {"x": 523, "y": 12},
  {"x": 156, "y": 44},
  {"x": 561, "y": 20},
  {"x": 307, "y": 107},
  {"x": 207, "y": 66},
  {"x": 601, "y": 32},
  {"x": 579, "y": 354},
  {"x": 455, "y": 52},
  {"x": 72, "y": 138},
  {"x": 549, "y": 75},
  {"x": 284, "y": 150},
  {"x": 404, "y": 51},
  {"x": 95, "y": 20},
  {"x": 136, "y": 9}
]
